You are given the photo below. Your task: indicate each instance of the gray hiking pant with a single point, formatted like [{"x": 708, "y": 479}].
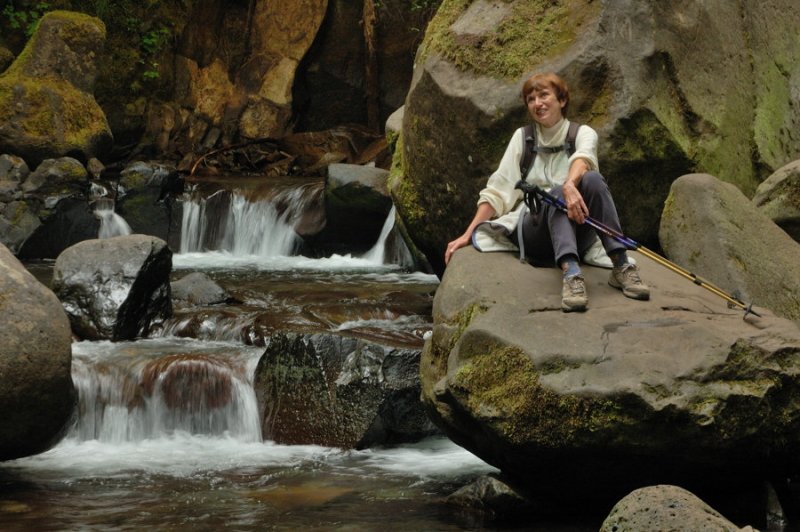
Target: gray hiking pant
[{"x": 550, "y": 235}]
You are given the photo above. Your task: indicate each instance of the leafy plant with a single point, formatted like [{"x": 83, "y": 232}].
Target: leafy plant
[{"x": 24, "y": 19}]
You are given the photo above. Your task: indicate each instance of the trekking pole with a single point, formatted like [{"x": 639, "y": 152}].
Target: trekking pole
[{"x": 532, "y": 193}]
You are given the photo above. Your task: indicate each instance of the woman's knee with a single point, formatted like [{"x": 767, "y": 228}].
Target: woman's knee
[{"x": 593, "y": 181}]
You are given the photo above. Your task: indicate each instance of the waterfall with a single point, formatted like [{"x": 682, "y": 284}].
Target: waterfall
[
  {"x": 126, "y": 395},
  {"x": 230, "y": 222},
  {"x": 390, "y": 247},
  {"x": 111, "y": 223}
]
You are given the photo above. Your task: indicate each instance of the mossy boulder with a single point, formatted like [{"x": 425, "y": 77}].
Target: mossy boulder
[
  {"x": 46, "y": 98},
  {"x": 630, "y": 393},
  {"x": 779, "y": 198},
  {"x": 668, "y": 87},
  {"x": 712, "y": 229}
]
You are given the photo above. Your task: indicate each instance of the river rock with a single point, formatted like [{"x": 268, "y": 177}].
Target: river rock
[
  {"x": 17, "y": 224},
  {"x": 779, "y": 198},
  {"x": 356, "y": 206},
  {"x": 149, "y": 203},
  {"x": 667, "y": 86},
  {"x": 326, "y": 389},
  {"x": 198, "y": 289},
  {"x": 36, "y": 391},
  {"x": 13, "y": 168},
  {"x": 665, "y": 507},
  {"x": 712, "y": 229},
  {"x": 625, "y": 395},
  {"x": 46, "y": 95},
  {"x": 115, "y": 288},
  {"x": 57, "y": 178}
]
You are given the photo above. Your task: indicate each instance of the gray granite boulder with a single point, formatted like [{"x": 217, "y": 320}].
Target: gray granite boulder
[
  {"x": 778, "y": 197},
  {"x": 114, "y": 288},
  {"x": 624, "y": 395},
  {"x": 199, "y": 289},
  {"x": 712, "y": 229},
  {"x": 36, "y": 392}
]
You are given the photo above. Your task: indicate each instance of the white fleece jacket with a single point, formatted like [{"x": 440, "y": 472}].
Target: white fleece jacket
[{"x": 548, "y": 170}]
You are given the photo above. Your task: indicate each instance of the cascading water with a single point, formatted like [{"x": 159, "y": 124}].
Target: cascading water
[
  {"x": 230, "y": 222},
  {"x": 111, "y": 223},
  {"x": 383, "y": 253},
  {"x": 129, "y": 394}
]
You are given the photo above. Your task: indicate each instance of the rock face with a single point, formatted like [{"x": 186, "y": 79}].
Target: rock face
[
  {"x": 661, "y": 109},
  {"x": 46, "y": 95},
  {"x": 665, "y": 508},
  {"x": 36, "y": 391},
  {"x": 627, "y": 394},
  {"x": 331, "y": 390},
  {"x": 779, "y": 198},
  {"x": 114, "y": 288},
  {"x": 710, "y": 228}
]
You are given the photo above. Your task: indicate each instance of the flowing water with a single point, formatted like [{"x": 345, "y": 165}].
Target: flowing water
[{"x": 167, "y": 431}]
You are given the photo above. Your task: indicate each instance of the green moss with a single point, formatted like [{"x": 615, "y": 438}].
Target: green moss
[
  {"x": 504, "y": 384},
  {"x": 534, "y": 31},
  {"x": 404, "y": 194}
]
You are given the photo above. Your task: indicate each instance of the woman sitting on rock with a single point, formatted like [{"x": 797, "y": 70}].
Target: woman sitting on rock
[{"x": 551, "y": 236}]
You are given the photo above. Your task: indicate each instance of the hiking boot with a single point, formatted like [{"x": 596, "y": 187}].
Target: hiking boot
[
  {"x": 573, "y": 294},
  {"x": 627, "y": 279}
]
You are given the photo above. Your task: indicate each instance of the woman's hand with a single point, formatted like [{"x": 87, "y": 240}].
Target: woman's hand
[
  {"x": 458, "y": 243},
  {"x": 576, "y": 208}
]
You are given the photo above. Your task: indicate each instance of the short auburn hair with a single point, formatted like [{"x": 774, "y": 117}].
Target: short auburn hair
[{"x": 549, "y": 80}]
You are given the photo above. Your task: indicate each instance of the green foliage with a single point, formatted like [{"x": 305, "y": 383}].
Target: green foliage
[{"x": 24, "y": 19}]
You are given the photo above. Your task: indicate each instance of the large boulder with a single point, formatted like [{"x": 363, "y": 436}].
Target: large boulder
[
  {"x": 627, "y": 394},
  {"x": 665, "y": 508},
  {"x": 779, "y": 198},
  {"x": 668, "y": 86},
  {"x": 326, "y": 389},
  {"x": 713, "y": 230},
  {"x": 115, "y": 288},
  {"x": 36, "y": 392},
  {"x": 46, "y": 95}
]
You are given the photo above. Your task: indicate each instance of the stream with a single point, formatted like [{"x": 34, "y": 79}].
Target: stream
[{"x": 188, "y": 454}]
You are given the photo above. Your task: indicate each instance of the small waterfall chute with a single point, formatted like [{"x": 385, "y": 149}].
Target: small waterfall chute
[
  {"x": 230, "y": 222},
  {"x": 111, "y": 223},
  {"x": 126, "y": 396},
  {"x": 390, "y": 247}
]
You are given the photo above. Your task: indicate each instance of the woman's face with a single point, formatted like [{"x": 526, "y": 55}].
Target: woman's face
[{"x": 544, "y": 107}]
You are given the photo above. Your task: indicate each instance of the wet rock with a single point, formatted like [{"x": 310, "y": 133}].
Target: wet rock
[
  {"x": 778, "y": 197},
  {"x": 36, "y": 392},
  {"x": 326, "y": 389},
  {"x": 198, "y": 289},
  {"x": 595, "y": 404},
  {"x": 710, "y": 228},
  {"x": 71, "y": 220},
  {"x": 356, "y": 205},
  {"x": 149, "y": 203},
  {"x": 189, "y": 381},
  {"x": 115, "y": 288},
  {"x": 492, "y": 495},
  {"x": 665, "y": 507},
  {"x": 46, "y": 95}
]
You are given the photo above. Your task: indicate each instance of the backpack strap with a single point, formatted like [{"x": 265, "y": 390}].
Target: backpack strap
[{"x": 528, "y": 150}]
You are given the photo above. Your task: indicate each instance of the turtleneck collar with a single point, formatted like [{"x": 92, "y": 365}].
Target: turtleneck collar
[{"x": 553, "y": 135}]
